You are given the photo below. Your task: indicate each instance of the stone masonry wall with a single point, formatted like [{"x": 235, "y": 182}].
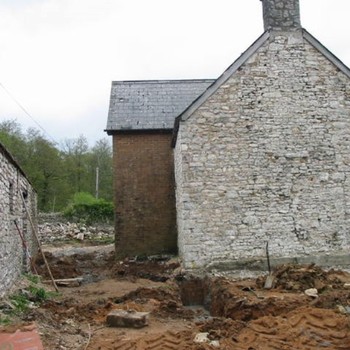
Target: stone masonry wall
[
  {"x": 13, "y": 257},
  {"x": 144, "y": 193},
  {"x": 267, "y": 158},
  {"x": 281, "y": 14}
]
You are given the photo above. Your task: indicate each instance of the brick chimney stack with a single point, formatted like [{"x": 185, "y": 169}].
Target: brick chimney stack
[{"x": 281, "y": 15}]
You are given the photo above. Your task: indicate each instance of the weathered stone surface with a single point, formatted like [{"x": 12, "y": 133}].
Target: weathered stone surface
[
  {"x": 311, "y": 292},
  {"x": 266, "y": 158},
  {"x": 281, "y": 14},
  {"x": 54, "y": 227},
  {"x": 130, "y": 319},
  {"x": 14, "y": 258}
]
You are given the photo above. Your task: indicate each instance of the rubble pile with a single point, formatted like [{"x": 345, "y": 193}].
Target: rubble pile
[{"x": 66, "y": 231}]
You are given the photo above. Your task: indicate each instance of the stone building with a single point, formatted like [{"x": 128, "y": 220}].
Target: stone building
[
  {"x": 261, "y": 155},
  {"x": 14, "y": 185},
  {"x": 141, "y": 118}
]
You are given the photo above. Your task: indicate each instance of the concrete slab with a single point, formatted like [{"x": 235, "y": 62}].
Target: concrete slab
[
  {"x": 129, "y": 319},
  {"x": 26, "y": 338}
]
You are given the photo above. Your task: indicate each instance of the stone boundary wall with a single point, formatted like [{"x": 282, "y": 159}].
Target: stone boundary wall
[
  {"x": 54, "y": 227},
  {"x": 14, "y": 258},
  {"x": 51, "y": 218}
]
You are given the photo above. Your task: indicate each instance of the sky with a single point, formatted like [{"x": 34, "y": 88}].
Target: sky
[{"x": 59, "y": 57}]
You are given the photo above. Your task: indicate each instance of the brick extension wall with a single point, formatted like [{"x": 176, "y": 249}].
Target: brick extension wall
[{"x": 144, "y": 193}]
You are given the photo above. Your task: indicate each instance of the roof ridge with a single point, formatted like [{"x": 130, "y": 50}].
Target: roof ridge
[{"x": 165, "y": 81}]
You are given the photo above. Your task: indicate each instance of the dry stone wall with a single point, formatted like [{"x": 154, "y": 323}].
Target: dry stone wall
[
  {"x": 267, "y": 158},
  {"x": 54, "y": 227},
  {"x": 14, "y": 259}
]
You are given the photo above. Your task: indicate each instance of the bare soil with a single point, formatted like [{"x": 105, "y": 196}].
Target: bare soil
[{"x": 234, "y": 314}]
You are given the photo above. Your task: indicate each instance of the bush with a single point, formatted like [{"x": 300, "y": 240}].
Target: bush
[{"x": 85, "y": 208}]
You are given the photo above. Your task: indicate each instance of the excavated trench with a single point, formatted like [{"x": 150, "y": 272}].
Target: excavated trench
[
  {"x": 237, "y": 313},
  {"x": 195, "y": 292},
  {"x": 243, "y": 300},
  {"x": 195, "y": 296}
]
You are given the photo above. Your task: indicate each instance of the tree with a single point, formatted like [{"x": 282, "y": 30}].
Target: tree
[
  {"x": 57, "y": 174},
  {"x": 45, "y": 166},
  {"x": 101, "y": 158},
  {"x": 12, "y": 138},
  {"x": 75, "y": 154}
]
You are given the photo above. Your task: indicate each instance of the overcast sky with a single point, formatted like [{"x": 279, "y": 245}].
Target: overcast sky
[{"x": 58, "y": 57}]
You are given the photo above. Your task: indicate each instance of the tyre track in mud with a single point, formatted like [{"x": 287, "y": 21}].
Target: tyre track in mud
[{"x": 244, "y": 315}]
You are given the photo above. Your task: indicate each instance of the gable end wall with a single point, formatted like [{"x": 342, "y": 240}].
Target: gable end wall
[{"x": 266, "y": 158}]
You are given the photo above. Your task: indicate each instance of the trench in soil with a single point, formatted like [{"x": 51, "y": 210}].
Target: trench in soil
[
  {"x": 195, "y": 295},
  {"x": 238, "y": 313}
]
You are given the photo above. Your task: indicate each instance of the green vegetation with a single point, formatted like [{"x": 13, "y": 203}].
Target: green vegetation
[
  {"x": 103, "y": 240},
  {"x": 26, "y": 298},
  {"x": 87, "y": 209},
  {"x": 57, "y": 173},
  {"x": 4, "y": 320},
  {"x": 21, "y": 302},
  {"x": 32, "y": 278}
]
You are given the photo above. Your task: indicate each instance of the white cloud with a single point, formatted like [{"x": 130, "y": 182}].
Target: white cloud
[{"x": 58, "y": 57}]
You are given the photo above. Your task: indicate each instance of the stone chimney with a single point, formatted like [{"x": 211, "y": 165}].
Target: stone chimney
[{"x": 281, "y": 15}]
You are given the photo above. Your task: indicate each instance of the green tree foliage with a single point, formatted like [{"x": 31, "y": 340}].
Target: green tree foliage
[
  {"x": 58, "y": 173},
  {"x": 76, "y": 155},
  {"x": 46, "y": 171},
  {"x": 12, "y": 137},
  {"x": 88, "y": 209},
  {"x": 101, "y": 164}
]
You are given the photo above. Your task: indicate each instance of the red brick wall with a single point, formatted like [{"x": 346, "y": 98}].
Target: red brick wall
[{"x": 144, "y": 194}]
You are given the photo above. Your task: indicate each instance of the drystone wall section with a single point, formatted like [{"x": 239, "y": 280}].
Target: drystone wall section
[
  {"x": 14, "y": 259},
  {"x": 267, "y": 158},
  {"x": 281, "y": 14},
  {"x": 55, "y": 227}
]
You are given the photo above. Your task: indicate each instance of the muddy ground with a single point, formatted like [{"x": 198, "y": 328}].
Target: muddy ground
[{"x": 231, "y": 313}]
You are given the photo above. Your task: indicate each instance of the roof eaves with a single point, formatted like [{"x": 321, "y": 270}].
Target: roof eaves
[
  {"x": 139, "y": 131},
  {"x": 329, "y": 55},
  {"x": 159, "y": 81}
]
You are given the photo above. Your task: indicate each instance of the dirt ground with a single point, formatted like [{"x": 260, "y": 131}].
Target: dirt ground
[{"x": 187, "y": 312}]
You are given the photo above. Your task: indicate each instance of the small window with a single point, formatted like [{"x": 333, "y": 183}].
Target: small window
[
  {"x": 12, "y": 198},
  {"x": 25, "y": 194}
]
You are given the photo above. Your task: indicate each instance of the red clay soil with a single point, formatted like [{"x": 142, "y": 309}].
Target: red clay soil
[
  {"x": 20, "y": 337},
  {"x": 239, "y": 314}
]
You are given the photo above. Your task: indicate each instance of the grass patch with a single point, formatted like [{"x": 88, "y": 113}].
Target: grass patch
[
  {"x": 32, "y": 278},
  {"x": 102, "y": 240},
  {"x": 4, "y": 320},
  {"x": 27, "y": 298}
]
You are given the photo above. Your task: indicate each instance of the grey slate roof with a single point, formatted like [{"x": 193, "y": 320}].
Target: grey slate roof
[{"x": 151, "y": 104}]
